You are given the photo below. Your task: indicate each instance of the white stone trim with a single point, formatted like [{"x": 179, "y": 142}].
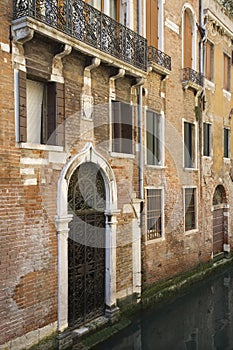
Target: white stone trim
[{"x": 87, "y": 154}]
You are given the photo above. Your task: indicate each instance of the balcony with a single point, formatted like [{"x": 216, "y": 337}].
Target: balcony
[
  {"x": 87, "y": 25},
  {"x": 159, "y": 61},
  {"x": 192, "y": 79}
]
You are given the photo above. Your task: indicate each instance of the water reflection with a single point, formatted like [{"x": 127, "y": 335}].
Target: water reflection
[{"x": 200, "y": 319}]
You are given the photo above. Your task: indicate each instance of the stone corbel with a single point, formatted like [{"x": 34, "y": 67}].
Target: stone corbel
[
  {"x": 112, "y": 79},
  {"x": 86, "y": 97},
  {"x": 57, "y": 65},
  {"x": 20, "y": 37}
]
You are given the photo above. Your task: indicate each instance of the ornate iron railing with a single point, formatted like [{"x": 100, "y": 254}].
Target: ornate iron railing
[
  {"x": 87, "y": 24},
  {"x": 192, "y": 76},
  {"x": 159, "y": 57}
]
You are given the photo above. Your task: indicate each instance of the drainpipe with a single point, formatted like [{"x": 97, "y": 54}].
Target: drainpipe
[{"x": 139, "y": 84}]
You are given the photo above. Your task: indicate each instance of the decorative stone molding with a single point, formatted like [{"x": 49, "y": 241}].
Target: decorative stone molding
[{"x": 57, "y": 65}]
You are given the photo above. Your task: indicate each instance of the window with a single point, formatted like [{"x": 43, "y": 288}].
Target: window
[
  {"x": 154, "y": 213},
  {"x": 190, "y": 209},
  {"x": 152, "y": 22},
  {"x": 41, "y": 118},
  {"x": 226, "y": 143},
  {"x": 113, "y": 7},
  {"x": 189, "y": 145},
  {"x": 227, "y": 70},
  {"x": 209, "y": 71},
  {"x": 206, "y": 139},
  {"x": 154, "y": 138},
  {"x": 122, "y": 127},
  {"x": 188, "y": 39}
]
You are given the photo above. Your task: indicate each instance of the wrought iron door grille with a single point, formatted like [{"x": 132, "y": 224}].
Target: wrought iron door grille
[
  {"x": 87, "y": 24},
  {"x": 86, "y": 245}
]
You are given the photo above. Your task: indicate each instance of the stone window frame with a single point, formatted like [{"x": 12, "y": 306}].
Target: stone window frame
[
  {"x": 162, "y": 203},
  {"x": 58, "y": 111},
  {"x": 195, "y": 205},
  {"x": 209, "y": 141},
  {"x": 188, "y": 8},
  {"x": 226, "y": 150},
  {"x": 209, "y": 60},
  {"x": 161, "y": 132},
  {"x": 113, "y": 152},
  {"x": 194, "y": 158}
]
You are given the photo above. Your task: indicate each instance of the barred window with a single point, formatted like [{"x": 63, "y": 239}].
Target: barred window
[
  {"x": 154, "y": 214},
  {"x": 190, "y": 209}
]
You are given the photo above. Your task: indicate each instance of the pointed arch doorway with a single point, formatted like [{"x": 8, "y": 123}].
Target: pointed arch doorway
[
  {"x": 220, "y": 223},
  {"x": 86, "y": 245}
]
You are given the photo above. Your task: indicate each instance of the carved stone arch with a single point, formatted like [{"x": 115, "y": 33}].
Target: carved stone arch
[
  {"x": 87, "y": 155},
  {"x": 219, "y": 196}
]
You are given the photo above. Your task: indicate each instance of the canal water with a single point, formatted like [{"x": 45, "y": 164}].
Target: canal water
[{"x": 200, "y": 319}]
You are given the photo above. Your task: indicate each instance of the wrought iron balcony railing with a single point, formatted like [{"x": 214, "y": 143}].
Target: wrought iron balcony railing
[
  {"x": 159, "y": 57},
  {"x": 190, "y": 75},
  {"x": 85, "y": 23}
]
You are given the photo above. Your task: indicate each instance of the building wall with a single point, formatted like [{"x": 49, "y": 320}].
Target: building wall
[{"x": 29, "y": 175}]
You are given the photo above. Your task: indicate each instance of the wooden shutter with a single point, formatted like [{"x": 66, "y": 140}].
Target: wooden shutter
[
  {"x": 187, "y": 40},
  {"x": 60, "y": 114},
  {"x": 22, "y": 107},
  {"x": 50, "y": 118},
  {"x": 126, "y": 127},
  {"x": 152, "y": 22},
  {"x": 208, "y": 61},
  {"x": 116, "y": 126},
  {"x": 226, "y": 77}
]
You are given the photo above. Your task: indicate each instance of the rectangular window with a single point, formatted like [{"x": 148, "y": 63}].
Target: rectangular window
[
  {"x": 41, "y": 119},
  {"x": 227, "y": 72},
  {"x": 122, "y": 132},
  {"x": 226, "y": 143},
  {"x": 154, "y": 213},
  {"x": 190, "y": 209},
  {"x": 154, "y": 138},
  {"x": 206, "y": 139},
  {"x": 209, "y": 61},
  {"x": 189, "y": 145}
]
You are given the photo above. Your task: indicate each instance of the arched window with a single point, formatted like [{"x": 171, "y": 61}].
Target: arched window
[
  {"x": 189, "y": 38},
  {"x": 219, "y": 195}
]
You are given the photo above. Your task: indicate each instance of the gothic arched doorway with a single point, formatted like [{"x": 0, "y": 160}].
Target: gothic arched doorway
[
  {"x": 219, "y": 220},
  {"x": 86, "y": 244}
]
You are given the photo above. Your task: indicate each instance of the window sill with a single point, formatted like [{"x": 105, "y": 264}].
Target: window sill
[
  {"x": 227, "y": 160},
  {"x": 207, "y": 157},
  {"x": 190, "y": 232},
  {"x": 156, "y": 240},
  {"x": 155, "y": 166},
  {"x": 190, "y": 169},
  {"x": 210, "y": 85},
  {"x": 122, "y": 155},
  {"x": 40, "y": 147},
  {"x": 226, "y": 94}
]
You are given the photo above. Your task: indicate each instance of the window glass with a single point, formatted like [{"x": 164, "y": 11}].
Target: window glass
[
  {"x": 154, "y": 138},
  {"x": 190, "y": 215},
  {"x": 154, "y": 213},
  {"x": 122, "y": 127},
  {"x": 206, "y": 139},
  {"x": 189, "y": 145},
  {"x": 226, "y": 143}
]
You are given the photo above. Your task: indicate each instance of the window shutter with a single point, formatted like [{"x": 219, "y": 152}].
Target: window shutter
[
  {"x": 152, "y": 22},
  {"x": 187, "y": 40},
  {"x": 208, "y": 60},
  {"x": 126, "y": 134},
  {"x": 22, "y": 107},
  {"x": 50, "y": 118},
  {"x": 116, "y": 126},
  {"x": 60, "y": 117}
]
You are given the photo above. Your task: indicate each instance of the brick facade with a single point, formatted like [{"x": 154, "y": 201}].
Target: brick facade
[{"x": 34, "y": 178}]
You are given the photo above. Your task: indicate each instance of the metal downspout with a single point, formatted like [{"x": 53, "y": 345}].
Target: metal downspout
[{"x": 141, "y": 181}]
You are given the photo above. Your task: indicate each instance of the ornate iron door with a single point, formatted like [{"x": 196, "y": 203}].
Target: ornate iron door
[{"x": 86, "y": 245}]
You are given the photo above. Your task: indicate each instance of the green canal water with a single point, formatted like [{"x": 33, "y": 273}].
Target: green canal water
[{"x": 200, "y": 319}]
